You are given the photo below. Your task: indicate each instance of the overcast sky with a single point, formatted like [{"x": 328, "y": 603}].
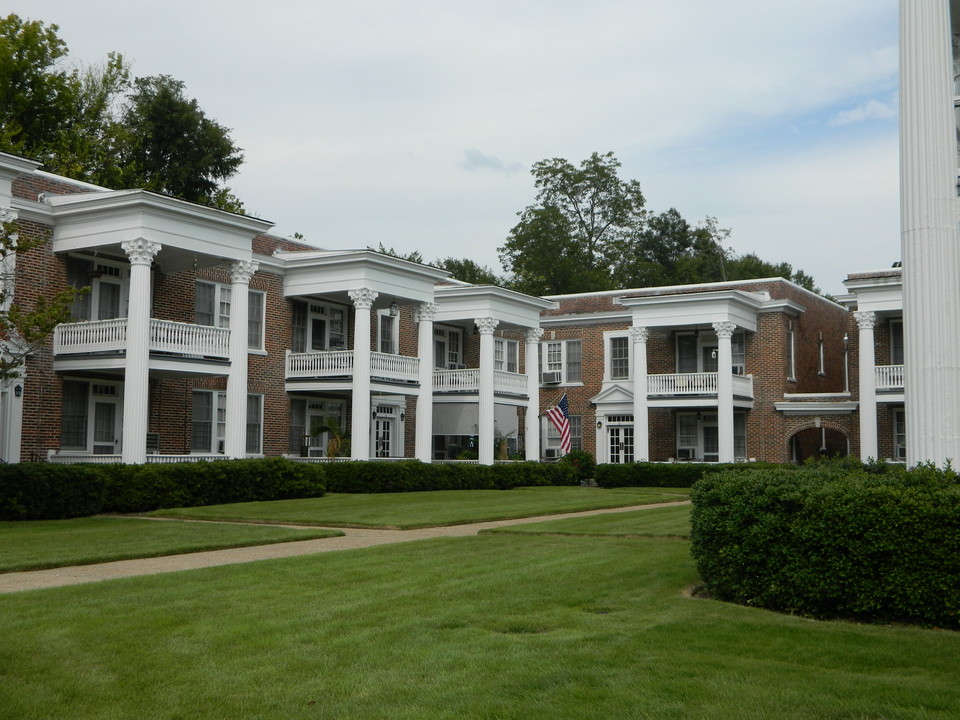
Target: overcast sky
[{"x": 415, "y": 123}]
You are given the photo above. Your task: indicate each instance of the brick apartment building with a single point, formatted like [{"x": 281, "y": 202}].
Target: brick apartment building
[{"x": 204, "y": 336}]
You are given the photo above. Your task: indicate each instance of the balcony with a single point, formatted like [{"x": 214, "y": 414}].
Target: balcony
[
  {"x": 700, "y": 384},
  {"x": 468, "y": 381},
  {"x": 339, "y": 364},
  {"x": 110, "y": 336},
  {"x": 889, "y": 378}
]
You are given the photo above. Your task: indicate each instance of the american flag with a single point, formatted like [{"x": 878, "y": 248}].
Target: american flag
[{"x": 560, "y": 417}]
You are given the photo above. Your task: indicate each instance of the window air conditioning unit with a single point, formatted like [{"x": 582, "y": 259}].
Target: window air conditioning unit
[
  {"x": 551, "y": 378},
  {"x": 551, "y": 453},
  {"x": 153, "y": 443},
  {"x": 316, "y": 452},
  {"x": 686, "y": 453}
]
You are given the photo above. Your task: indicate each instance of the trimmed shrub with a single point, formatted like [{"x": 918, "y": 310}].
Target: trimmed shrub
[
  {"x": 679, "y": 475},
  {"x": 414, "y": 476},
  {"x": 833, "y": 541},
  {"x": 40, "y": 491},
  {"x": 584, "y": 463}
]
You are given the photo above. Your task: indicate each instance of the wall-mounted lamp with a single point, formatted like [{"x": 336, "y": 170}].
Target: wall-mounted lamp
[
  {"x": 846, "y": 342},
  {"x": 394, "y": 309},
  {"x": 403, "y": 416},
  {"x": 599, "y": 424},
  {"x": 713, "y": 354},
  {"x": 374, "y": 414},
  {"x": 18, "y": 390}
]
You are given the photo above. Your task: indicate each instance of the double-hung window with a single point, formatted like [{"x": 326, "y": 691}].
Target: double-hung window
[
  {"x": 387, "y": 333},
  {"x": 619, "y": 353},
  {"x": 209, "y": 421},
  {"x": 212, "y": 307},
  {"x": 562, "y": 361},
  {"x": 505, "y": 355}
]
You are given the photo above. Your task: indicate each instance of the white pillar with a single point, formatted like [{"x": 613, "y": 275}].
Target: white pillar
[
  {"x": 485, "y": 411},
  {"x": 531, "y": 425},
  {"x": 641, "y": 413},
  {"x": 360, "y": 419},
  {"x": 930, "y": 244},
  {"x": 868, "y": 385},
  {"x": 424, "y": 437},
  {"x": 724, "y": 332},
  {"x": 235, "y": 427},
  {"x": 136, "y": 385}
]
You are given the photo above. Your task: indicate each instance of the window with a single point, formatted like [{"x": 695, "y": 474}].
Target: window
[
  {"x": 318, "y": 327},
  {"x": 447, "y": 348},
  {"x": 619, "y": 358},
  {"x": 899, "y": 435},
  {"x": 822, "y": 369},
  {"x": 687, "y": 353},
  {"x": 700, "y": 352},
  {"x": 791, "y": 366},
  {"x": 505, "y": 355},
  {"x": 563, "y": 360},
  {"x": 387, "y": 335},
  {"x": 73, "y": 420},
  {"x": 896, "y": 342},
  {"x": 209, "y": 420},
  {"x": 212, "y": 307},
  {"x": 738, "y": 347},
  {"x": 552, "y": 435},
  {"x": 698, "y": 436},
  {"x": 107, "y": 281}
]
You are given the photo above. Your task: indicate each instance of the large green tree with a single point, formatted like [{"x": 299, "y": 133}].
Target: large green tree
[
  {"x": 94, "y": 124},
  {"x": 590, "y": 230}
]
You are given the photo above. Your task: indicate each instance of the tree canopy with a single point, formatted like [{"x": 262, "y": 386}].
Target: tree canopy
[
  {"x": 95, "y": 124},
  {"x": 590, "y": 230}
]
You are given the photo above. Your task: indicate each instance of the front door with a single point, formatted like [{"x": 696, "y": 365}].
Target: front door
[
  {"x": 107, "y": 423},
  {"x": 620, "y": 443}
]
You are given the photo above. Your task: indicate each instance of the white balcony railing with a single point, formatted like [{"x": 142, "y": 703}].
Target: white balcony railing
[
  {"x": 339, "y": 363},
  {"x": 456, "y": 380},
  {"x": 165, "y": 336},
  {"x": 696, "y": 384},
  {"x": 509, "y": 382},
  {"x": 889, "y": 377},
  {"x": 395, "y": 367}
]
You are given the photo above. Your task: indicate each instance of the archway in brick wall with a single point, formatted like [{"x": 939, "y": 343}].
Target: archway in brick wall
[{"x": 815, "y": 442}]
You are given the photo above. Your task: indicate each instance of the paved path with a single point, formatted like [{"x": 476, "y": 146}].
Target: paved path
[{"x": 352, "y": 539}]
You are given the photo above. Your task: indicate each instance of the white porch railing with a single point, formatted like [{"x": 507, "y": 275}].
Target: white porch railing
[
  {"x": 395, "y": 367},
  {"x": 696, "y": 384},
  {"x": 339, "y": 363},
  {"x": 509, "y": 382},
  {"x": 889, "y": 377},
  {"x": 76, "y": 458},
  {"x": 165, "y": 336},
  {"x": 456, "y": 380}
]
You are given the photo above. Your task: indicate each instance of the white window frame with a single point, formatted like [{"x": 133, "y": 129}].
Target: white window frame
[
  {"x": 900, "y": 435},
  {"x": 551, "y": 436},
  {"x": 791, "y": 352},
  {"x": 555, "y": 356},
  {"x": 608, "y": 343},
  {"x": 696, "y": 442},
  {"x": 390, "y": 323},
  {"x": 102, "y": 272},
  {"x": 218, "y": 422},
  {"x": 220, "y": 312},
  {"x": 506, "y": 355},
  {"x": 453, "y": 358}
]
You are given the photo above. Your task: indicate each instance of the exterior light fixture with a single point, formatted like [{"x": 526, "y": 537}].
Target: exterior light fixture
[
  {"x": 599, "y": 424},
  {"x": 18, "y": 390},
  {"x": 394, "y": 309},
  {"x": 403, "y": 416}
]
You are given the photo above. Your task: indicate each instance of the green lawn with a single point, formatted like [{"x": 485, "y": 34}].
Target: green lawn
[
  {"x": 495, "y": 626},
  {"x": 430, "y": 509},
  {"x": 673, "y": 522},
  {"x": 84, "y": 541}
]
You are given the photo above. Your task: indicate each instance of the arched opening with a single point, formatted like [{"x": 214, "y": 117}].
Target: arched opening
[{"x": 817, "y": 442}]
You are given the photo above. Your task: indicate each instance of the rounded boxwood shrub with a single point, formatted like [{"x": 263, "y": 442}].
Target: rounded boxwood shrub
[{"x": 833, "y": 541}]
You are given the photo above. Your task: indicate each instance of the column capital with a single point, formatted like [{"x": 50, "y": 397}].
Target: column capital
[
  {"x": 363, "y": 298},
  {"x": 426, "y": 311},
  {"x": 486, "y": 325},
  {"x": 725, "y": 328},
  {"x": 242, "y": 270},
  {"x": 7, "y": 215},
  {"x": 534, "y": 335},
  {"x": 140, "y": 251},
  {"x": 639, "y": 334},
  {"x": 866, "y": 319}
]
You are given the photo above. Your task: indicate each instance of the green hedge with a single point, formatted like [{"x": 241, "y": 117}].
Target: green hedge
[
  {"x": 646, "y": 474},
  {"x": 833, "y": 541},
  {"x": 44, "y": 491},
  {"x": 414, "y": 476}
]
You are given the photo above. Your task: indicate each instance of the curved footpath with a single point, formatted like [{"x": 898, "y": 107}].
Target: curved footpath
[{"x": 353, "y": 538}]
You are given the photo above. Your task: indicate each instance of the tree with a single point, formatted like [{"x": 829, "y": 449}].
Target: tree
[
  {"x": 170, "y": 146},
  {"x": 469, "y": 271},
  {"x": 570, "y": 239},
  {"x": 24, "y": 330}
]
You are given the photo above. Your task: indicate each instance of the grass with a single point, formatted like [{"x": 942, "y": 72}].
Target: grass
[
  {"x": 670, "y": 522},
  {"x": 495, "y": 626},
  {"x": 429, "y": 509},
  {"x": 84, "y": 541}
]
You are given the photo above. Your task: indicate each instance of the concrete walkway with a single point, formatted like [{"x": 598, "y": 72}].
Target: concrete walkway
[{"x": 353, "y": 538}]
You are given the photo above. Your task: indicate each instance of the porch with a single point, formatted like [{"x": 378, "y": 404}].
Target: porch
[{"x": 110, "y": 336}]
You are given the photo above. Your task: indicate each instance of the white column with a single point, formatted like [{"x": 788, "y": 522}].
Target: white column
[
  {"x": 930, "y": 245},
  {"x": 136, "y": 385},
  {"x": 641, "y": 413},
  {"x": 485, "y": 412},
  {"x": 235, "y": 427},
  {"x": 531, "y": 425},
  {"x": 724, "y": 332},
  {"x": 360, "y": 425},
  {"x": 424, "y": 437},
  {"x": 868, "y": 385}
]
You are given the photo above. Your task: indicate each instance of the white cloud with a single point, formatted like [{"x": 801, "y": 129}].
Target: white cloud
[{"x": 870, "y": 110}]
